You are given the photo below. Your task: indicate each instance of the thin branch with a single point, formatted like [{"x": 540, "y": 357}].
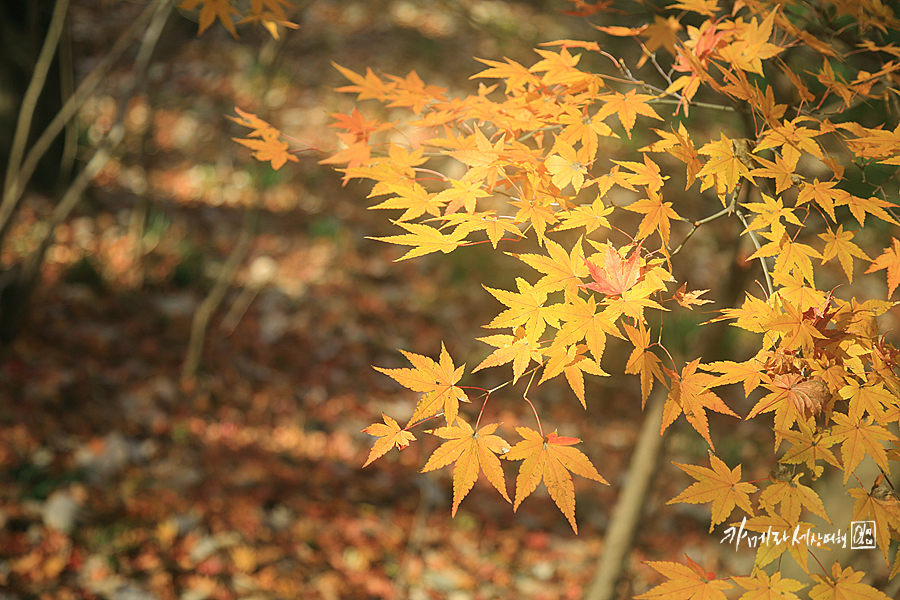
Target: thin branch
[
  {"x": 762, "y": 260},
  {"x": 14, "y": 187},
  {"x": 35, "y": 86},
  {"x": 30, "y": 273},
  {"x": 627, "y": 513},
  {"x": 204, "y": 312},
  {"x": 695, "y": 225},
  {"x": 693, "y": 103},
  {"x": 67, "y": 89}
]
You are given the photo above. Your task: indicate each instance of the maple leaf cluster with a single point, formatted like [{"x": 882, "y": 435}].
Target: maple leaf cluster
[
  {"x": 268, "y": 13},
  {"x": 528, "y": 164}
]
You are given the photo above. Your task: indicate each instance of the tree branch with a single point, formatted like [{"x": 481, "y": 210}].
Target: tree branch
[
  {"x": 29, "y": 102},
  {"x": 15, "y": 186}
]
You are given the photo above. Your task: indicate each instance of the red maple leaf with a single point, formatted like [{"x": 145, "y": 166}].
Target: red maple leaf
[{"x": 615, "y": 276}]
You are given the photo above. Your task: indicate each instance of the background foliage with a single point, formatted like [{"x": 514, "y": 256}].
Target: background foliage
[{"x": 138, "y": 471}]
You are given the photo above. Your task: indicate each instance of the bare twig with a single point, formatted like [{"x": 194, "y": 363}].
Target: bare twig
[
  {"x": 14, "y": 186},
  {"x": 695, "y": 225},
  {"x": 756, "y": 243},
  {"x": 67, "y": 89},
  {"x": 30, "y": 272},
  {"x": 204, "y": 312},
  {"x": 29, "y": 102}
]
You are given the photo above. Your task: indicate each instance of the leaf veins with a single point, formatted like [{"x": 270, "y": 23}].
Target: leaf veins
[
  {"x": 720, "y": 485},
  {"x": 470, "y": 450},
  {"x": 550, "y": 458},
  {"x": 436, "y": 380}
]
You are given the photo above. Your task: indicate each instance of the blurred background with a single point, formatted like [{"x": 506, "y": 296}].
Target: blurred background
[{"x": 182, "y": 388}]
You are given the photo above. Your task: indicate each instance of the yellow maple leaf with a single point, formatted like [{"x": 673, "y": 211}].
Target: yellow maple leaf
[
  {"x": 720, "y": 485},
  {"x": 550, "y": 458},
  {"x": 689, "y": 393},
  {"x": 269, "y": 146},
  {"x": 890, "y": 260},
  {"x": 425, "y": 239},
  {"x": 437, "y": 380},
  {"x": 470, "y": 451},
  {"x": 685, "y": 582},
  {"x": 627, "y": 107},
  {"x": 568, "y": 166},
  {"x": 389, "y": 435}
]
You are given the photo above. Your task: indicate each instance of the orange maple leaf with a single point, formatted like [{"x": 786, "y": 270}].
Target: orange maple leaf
[
  {"x": 627, "y": 107},
  {"x": 646, "y": 174},
  {"x": 873, "y": 206},
  {"x": 750, "y": 373},
  {"x": 870, "y": 398},
  {"x": 568, "y": 166},
  {"x": 583, "y": 322},
  {"x": 436, "y": 380},
  {"x": 686, "y": 582},
  {"x": 550, "y": 458},
  {"x": 782, "y": 171},
  {"x": 389, "y": 435},
  {"x": 725, "y": 167},
  {"x": 516, "y": 75},
  {"x": 269, "y": 14},
  {"x": 879, "y": 504},
  {"x": 210, "y": 11},
  {"x": 860, "y": 438},
  {"x": 370, "y": 86},
  {"x": 583, "y": 9},
  {"x": 720, "y": 485},
  {"x": 704, "y": 7},
  {"x": 517, "y": 348},
  {"x": 793, "y": 496},
  {"x": 411, "y": 92},
  {"x": 688, "y": 299},
  {"x": 525, "y": 308},
  {"x": 560, "y": 68},
  {"x": 615, "y": 276},
  {"x": 809, "y": 446},
  {"x": 561, "y": 271},
  {"x": 572, "y": 361},
  {"x": 269, "y": 146},
  {"x": 642, "y": 362},
  {"x": 589, "y": 216},
  {"x": 838, "y": 243},
  {"x": 426, "y": 239},
  {"x": 761, "y": 585},
  {"x": 890, "y": 260},
  {"x": 678, "y": 144},
  {"x": 844, "y": 584},
  {"x": 657, "y": 215},
  {"x": 793, "y": 398},
  {"x": 823, "y": 194},
  {"x": 690, "y": 394},
  {"x": 470, "y": 451}
]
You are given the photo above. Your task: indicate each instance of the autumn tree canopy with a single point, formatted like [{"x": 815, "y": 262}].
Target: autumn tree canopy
[{"x": 777, "y": 121}]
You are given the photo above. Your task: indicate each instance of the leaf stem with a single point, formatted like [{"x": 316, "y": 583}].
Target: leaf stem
[
  {"x": 696, "y": 224},
  {"x": 762, "y": 260}
]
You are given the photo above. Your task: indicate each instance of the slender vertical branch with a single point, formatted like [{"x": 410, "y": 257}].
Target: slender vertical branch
[
  {"x": 35, "y": 86},
  {"x": 204, "y": 312},
  {"x": 762, "y": 261},
  {"x": 30, "y": 273},
  {"x": 15, "y": 185},
  {"x": 627, "y": 512}
]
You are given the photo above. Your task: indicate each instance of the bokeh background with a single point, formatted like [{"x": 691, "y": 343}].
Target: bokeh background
[{"x": 125, "y": 477}]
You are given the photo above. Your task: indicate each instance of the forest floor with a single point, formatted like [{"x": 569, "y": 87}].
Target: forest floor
[{"x": 123, "y": 481}]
